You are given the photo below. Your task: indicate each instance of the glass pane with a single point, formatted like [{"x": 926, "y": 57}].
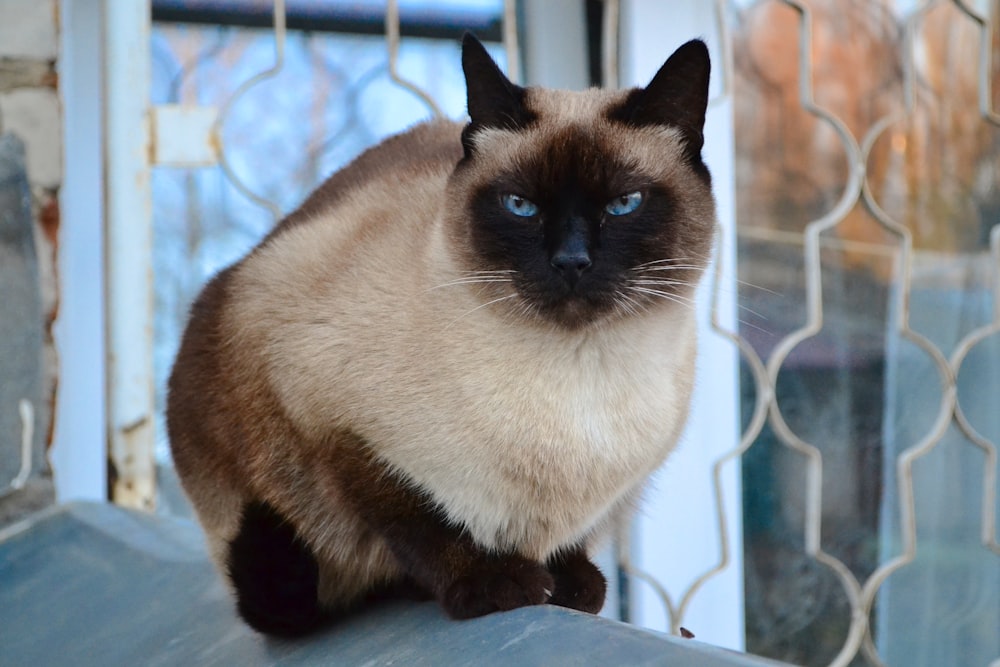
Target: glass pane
[{"x": 864, "y": 390}]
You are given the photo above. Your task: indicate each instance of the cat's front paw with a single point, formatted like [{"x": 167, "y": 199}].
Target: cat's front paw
[
  {"x": 579, "y": 584},
  {"x": 498, "y": 586}
]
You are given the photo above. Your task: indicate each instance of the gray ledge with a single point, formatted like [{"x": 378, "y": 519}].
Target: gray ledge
[{"x": 91, "y": 584}]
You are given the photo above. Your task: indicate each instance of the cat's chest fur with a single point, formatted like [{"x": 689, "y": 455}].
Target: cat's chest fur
[
  {"x": 556, "y": 441},
  {"x": 531, "y": 444}
]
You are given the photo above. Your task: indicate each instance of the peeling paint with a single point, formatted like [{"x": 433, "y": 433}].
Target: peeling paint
[
  {"x": 184, "y": 136},
  {"x": 48, "y": 220},
  {"x": 20, "y": 73}
]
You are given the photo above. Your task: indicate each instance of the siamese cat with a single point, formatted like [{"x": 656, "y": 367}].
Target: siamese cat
[{"x": 454, "y": 367}]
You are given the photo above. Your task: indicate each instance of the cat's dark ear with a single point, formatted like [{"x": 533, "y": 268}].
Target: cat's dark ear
[
  {"x": 677, "y": 96},
  {"x": 494, "y": 102}
]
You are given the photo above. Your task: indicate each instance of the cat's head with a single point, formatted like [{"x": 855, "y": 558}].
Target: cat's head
[{"x": 572, "y": 207}]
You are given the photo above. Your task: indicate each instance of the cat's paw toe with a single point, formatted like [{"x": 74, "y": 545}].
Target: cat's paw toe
[
  {"x": 520, "y": 586},
  {"x": 579, "y": 585},
  {"x": 500, "y": 587}
]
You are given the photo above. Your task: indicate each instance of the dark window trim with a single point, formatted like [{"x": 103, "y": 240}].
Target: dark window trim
[{"x": 332, "y": 18}]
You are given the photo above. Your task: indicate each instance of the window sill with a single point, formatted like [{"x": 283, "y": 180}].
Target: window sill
[{"x": 97, "y": 584}]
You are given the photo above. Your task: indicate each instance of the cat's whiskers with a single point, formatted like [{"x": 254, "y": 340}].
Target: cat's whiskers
[
  {"x": 524, "y": 309},
  {"x": 480, "y": 306},
  {"x": 629, "y": 305},
  {"x": 662, "y": 294},
  {"x": 672, "y": 267},
  {"x": 478, "y": 277},
  {"x": 661, "y": 287},
  {"x": 669, "y": 297},
  {"x": 469, "y": 281},
  {"x": 670, "y": 263},
  {"x": 653, "y": 280},
  {"x": 660, "y": 281},
  {"x": 647, "y": 285}
]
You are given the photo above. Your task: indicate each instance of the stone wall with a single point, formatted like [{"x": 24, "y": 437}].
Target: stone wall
[{"x": 30, "y": 175}]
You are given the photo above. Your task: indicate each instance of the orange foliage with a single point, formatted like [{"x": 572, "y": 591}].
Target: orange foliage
[{"x": 934, "y": 169}]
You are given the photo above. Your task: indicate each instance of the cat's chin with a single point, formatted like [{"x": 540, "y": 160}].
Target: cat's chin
[{"x": 576, "y": 312}]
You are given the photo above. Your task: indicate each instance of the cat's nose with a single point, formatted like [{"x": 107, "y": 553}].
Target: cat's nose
[
  {"x": 571, "y": 263},
  {"x": 571, "y": 255}
]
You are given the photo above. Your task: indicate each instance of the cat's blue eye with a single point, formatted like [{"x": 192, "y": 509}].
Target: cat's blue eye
[
  {"x": 624, "y": 204},
  {"x": 519, "y": 206}
]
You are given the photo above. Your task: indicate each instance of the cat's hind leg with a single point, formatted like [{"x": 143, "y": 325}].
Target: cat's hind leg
[{"x": 274, "y": 574}]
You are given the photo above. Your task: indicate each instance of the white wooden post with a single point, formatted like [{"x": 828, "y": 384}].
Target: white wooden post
[{"x": 128, "y": 247}]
